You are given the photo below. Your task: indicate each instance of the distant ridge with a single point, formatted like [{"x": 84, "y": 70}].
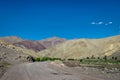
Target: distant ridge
[
  {"x": 11, "y": 39},
  {"x": 82, "y": 48},
  {"x": 75, "y": 48},
  {"x": 33, "y": 45}
]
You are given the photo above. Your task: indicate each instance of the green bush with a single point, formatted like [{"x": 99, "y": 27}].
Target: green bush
[
  {"x": 71, "y": 59},
  {"x": 101, "y": 61},
  {"x": 92, "y": 57},
  {"x": 47, "y": 59},
  {"x": 81, "y": 60},
  {"x": 115, "y": 58},
  {"x": 105, "y": 57},
  {"x": 98, "y": 57},
  {"x": 37, "y": 59},
  {"x": 87, "y": 58}
]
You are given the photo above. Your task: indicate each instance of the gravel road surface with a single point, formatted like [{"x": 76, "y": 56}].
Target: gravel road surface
[{"x": 46, "y": 71}]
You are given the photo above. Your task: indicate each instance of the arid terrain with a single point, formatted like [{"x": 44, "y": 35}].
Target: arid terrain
[
  {"x": 79, "y": 59},
  {"x": 56, "y": 71}
]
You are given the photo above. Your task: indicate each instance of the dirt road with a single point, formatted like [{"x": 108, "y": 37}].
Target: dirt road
[{"x": 46, "y": 71}]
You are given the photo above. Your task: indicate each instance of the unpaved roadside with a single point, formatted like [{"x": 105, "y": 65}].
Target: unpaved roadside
[{"x": 53, "y": 71}]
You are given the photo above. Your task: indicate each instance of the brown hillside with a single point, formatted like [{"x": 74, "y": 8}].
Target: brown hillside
[
  {"x": 50, "y": 42},
  {"x": 82, "y": 48},
  {"x": 11, "y": 39},
  {"x": 39, "y": 45},
  {"x": 11, "y": 55}
]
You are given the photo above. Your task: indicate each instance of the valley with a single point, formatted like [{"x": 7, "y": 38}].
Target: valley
[{"x": 60, "y": 59}]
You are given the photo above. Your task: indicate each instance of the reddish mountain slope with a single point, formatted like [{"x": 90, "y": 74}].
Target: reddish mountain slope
[{"x": 34, "y": 45}]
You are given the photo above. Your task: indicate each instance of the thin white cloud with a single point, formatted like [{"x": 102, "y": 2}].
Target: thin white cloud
[
  {"x": 93, "y": 23},
  {"x": 97, "y": 23},
  {"x": 110, "y": 22},
  {"x": 106, "y": 24},
  {"x": 100, "y": 23}
]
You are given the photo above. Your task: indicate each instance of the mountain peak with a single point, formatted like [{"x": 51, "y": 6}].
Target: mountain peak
[
  {"x": 11, "y": 39},
  {"x": 53, "y": 38}
]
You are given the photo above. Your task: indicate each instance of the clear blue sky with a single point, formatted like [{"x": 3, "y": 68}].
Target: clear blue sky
[{"x": 38, "y": 19}]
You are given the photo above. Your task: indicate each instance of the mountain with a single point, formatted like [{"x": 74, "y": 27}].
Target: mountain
[
  {"x": 11, "y": 39},
  {"x": 40, "y": 44},
  {"x": 33, "y": 45},
  {"x": 50, "y": 42},
  {"x": 11, "y": 55},
  {"x": 82, "y": 48},
  {"x": 14, "y": 50},
  {"x": 76, "y": 48}
]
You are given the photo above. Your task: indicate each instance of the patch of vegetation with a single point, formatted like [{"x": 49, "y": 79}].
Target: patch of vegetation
[
  {"x": 4, "y": 64},
  {"x": 3, "y": 67},
  {"x": 99, "y": 60},
  {"x": 87, "y": 60},
  {"x": 70, "y": 59},
  {"x": 47, "y": 59},
  {"x": 105, "y": 57},
  {"x": 96, "y": 62}
]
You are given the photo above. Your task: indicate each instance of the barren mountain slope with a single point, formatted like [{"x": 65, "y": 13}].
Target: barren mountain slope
[
  {"x": 10, "y": 55},
  {"x": 39, "y": 45},
  {"x": 11, "y": 39},
  {"x": 50, "y": 42},
  {"x": 82, "y": 48},
  {"x": 33, "y": 45}
]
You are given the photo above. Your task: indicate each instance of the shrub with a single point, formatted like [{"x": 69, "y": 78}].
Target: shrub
[
  {"x": 37, "y": 59},
  {"x": 105, "y": 57},
  {"x": 81, "y": 60},
  {"x": 13, "y": 47},
  {"x": 47, "y": 59},
  {"x": 92, "y": 57},
  {"x": 98, "y": 58},
  {"x": 71, "y": 59},
  {"x": 87, "y": 58},
  {"x": 115, "y": 58}
]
